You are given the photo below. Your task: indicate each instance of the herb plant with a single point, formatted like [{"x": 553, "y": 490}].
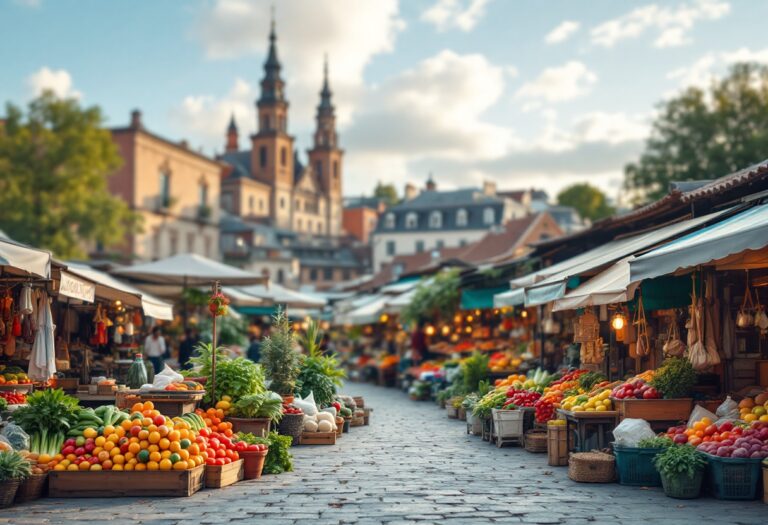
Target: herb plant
[
  {"x": 655, "y": 442},
  {"x": 264, "y": 405},
  {"x": 681, "y": 460},
  {"x": 279, "y": 458},
  {"x": 279, "y": 356},
  {"x": 475, "y": 369},
  {"x": 13, "y": 466},
  {"x": 238, "y": 377},
  {"x": 675, "y": 378}
]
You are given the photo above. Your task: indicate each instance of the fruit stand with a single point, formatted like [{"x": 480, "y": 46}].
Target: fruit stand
[{"x": 589, "y": 430}]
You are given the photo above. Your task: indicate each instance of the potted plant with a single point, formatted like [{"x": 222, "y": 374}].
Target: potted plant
[
  {"x": 14, "y": 468},
  {"x": 254, "y": 413},
  {"x": 280, "y": 358},
  {"x": 319, "y": 374},
  {"x": 682, "y": 471}
]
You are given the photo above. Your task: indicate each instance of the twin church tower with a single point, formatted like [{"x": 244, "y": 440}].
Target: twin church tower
[{"x": 268, "y": 182}]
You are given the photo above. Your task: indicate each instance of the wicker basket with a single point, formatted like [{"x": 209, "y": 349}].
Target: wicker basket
[
  {"x": 359, "y": 402},
  {"x": 291, "y": 425},
  {"x": 591, "y": 467},
  {"x": 536, "y": 441},
  {"x": 8, "y": 491},
  {"x": 31, "y": 488}
]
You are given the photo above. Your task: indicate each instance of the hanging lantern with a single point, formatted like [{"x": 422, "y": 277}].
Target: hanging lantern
[
  {"x": 524, "y": 314},
  {"x": 429, "y": 330},
  {"x": 618, "y": 321},
  {"x": 384, "y": 318},
  {"x": 445, "y": 330}
]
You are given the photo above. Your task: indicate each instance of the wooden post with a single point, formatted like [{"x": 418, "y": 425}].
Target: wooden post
[{"x": 214, "y": 291}]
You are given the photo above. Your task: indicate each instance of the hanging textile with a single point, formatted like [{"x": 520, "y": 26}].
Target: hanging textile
[
  {"x": 42, "y": 360},
  {"x": 710, "y": 339}
]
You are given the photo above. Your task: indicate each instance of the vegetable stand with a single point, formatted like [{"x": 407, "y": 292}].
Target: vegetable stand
[{"x": 589, "y": 430}]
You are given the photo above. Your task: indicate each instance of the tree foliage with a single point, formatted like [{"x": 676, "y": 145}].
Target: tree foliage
[
  {"x": 54, "y": 164},
  {"x": 387, "y": 193},
  {"x": 437, "y": 298},
  {"x": 705, "y": 134},
  {"x": 279, "y": 356},
  {"x": 590, "y": 202}
]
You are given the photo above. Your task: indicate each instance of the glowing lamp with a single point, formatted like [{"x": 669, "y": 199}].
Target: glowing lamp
[
  {"x": 618, "y": 322},
  {"x": 429, "y": 330}
]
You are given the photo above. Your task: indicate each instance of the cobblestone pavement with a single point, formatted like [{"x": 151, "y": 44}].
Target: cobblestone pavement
[{"x": 412, "y": 465}]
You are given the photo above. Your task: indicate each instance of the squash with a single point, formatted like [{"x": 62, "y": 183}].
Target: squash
[
  {"x": 311, "y": 426},
  {"x": 325, "y": 416},
  {"x": 325, "y": 426}
]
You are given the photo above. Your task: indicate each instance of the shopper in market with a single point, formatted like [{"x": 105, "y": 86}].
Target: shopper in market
[
  {"x": 419, "y": 347},
  {"x": 187, "y": 348},
  {"x": 154, "y": 348},
  {"x": 254, "y": 349}
]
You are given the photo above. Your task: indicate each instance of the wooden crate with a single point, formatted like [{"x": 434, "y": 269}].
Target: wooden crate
[
  {"x": 654, "y": 409},
  {"x": 318, "y": 438},
  {"x": 110, "y": 483},
  {"x": 217, "y": 476}
]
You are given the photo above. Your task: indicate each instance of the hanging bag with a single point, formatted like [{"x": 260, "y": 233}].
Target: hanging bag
[
  {"x": 744, "y": 317},
  {"x": 674, "y": 346},
  {"x": 760, "y": 317},
  {"x": 697, "y": 353},
  {"x": 643, "y": 345}
]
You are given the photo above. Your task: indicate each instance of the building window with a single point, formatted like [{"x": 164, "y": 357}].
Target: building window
[
  {"x": 298, "y": 205},
  {"x": 346, "y": 275},
  {"x": 390, "y": 247},
  {"x": 436, "y": 220},
  {"x": 207, "y": 247},
  {"x": 250, "y": 204},
  {"x": 261, "y": 204},
  {"x": 489, "y": 216},
  {"x": 411, "y": 221},
  {"x": 283, "y": 156},
  {"x": 202, "y": 192},
  {"x": 389, "y": 221},
  {"x": 319, "y": 169},
  {"x": 419, "y": 246},
  {"x": 191, "y": 243},
  {"x": 309, "y": 226},
  {"x": 335, "y": 169},
  {"x": 461, "y": 217},
  {"x": 156, "y": 245},
  {"x": 280, "y": 276},
  {"x": 440, "y": 244},
  {"x": 263, "y": 156},
  {"x": 463, "y": 242},
  {"x": 282, "y": 203},
  {"x": 313, "y": 274},
  {"x": 328, "y": 274},
  {"x": 174, "y": 242},
  {"x": 165, "y": 189}
]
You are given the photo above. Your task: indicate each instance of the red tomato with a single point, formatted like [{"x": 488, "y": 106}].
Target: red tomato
[{"x": 221, "y": 453}]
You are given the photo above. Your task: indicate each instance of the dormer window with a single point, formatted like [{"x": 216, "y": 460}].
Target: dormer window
[
  {"x": 436, "y": 220},
  {"x": 389, "y": 221},
  {"x": 462, "y": 217},
  {"x": 411, "y": 221},
  {"x": 489, "y": 216}
]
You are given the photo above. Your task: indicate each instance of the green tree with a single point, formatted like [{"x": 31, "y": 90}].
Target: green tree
[
  {"x": 387, "y": 193},
  {"x": 589, "y": 201},
  {"x": 704, "y": 134},
  {"x": 54, "y": 164}
]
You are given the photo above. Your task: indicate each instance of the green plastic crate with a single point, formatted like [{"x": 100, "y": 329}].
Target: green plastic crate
[
  {"x": 734, "y": 478},
  {"x": 635, "y": 466}
]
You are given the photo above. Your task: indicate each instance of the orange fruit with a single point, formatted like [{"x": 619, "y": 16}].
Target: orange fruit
[
  {"x": 153, "y": 465},
  {"x": 153, "y": 448},
  {"x": 129, "y": 466},
  {"x": 165, "y": 464},
  {"x": 118, "y": 459},
  {"x": 109, "y": 429},
  {"x": 137, "y": 407},
  {"x": 99, "y": 441},
  {"x": 127, "y": 424},
  {"x": 120, "y": 431},
  {"x": 143, "y": 434},
  {"x": 155, "y": 456},
  {"x": 175, "y": 446},
  {"x": 140, "y": 466},
  {"x": 84, "y": 466},
  {"x": 180, "y": 465},
  {"x": 154, "y": 437},
  {"x": 103, "y": 456},
  {"x": 164, "y": 443},
  {"x": 134, "y": 448},
  {"x": 114, "y": 452},
  {"x": 184, "y": 453},
  {"x": 109, "y": 445},
  {"x": 174, "y": 435},
  {"x": 152, "y": 428},
  {"x": 144, "y": 444},
  {"x": 114, "y": 438},
  {"x": 165, "y": 454},
  {"x": 117, "y": 467},
  {"x": 148, "y": 405}
]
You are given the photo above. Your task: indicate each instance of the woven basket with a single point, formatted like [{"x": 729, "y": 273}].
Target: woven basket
[
  {"x": 8, "y": 491},
  {"x": 536, "y": 441},
  {"x": 31, "y": 488},
  {"x": 359, "y": 402},
  {"x": 591, "y": 467},
  {"x": 291, "y": 425}
]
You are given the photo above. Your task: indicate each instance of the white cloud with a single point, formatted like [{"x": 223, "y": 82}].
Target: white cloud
[
  {"x": 558, "y": 84},
  {"x": 562, "y": 32},
  {"x": 673, "y": 24},
  {"x": 59, "y": 81},
  {"x": 711, "y": 66},
  {"x": 207, "y": 116},
  {"x": 459, "y": 14}
]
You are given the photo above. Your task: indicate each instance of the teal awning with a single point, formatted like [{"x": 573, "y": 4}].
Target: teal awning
[
  {"x": 480, "y": 298},
  {"x": 257, "y": 310},
  {"x": 514, "y": 297},
  {"x": 663, "y": 293}
]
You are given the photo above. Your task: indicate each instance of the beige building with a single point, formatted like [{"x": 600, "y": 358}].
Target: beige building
[{"x": 174, "y": 189}]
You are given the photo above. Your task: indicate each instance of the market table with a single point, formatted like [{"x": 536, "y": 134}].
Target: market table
[
  {"x": 95, "y": 400},
  {"x": 582, "y": 424}
]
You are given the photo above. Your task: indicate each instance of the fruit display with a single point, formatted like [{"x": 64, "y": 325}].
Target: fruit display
[
  {"x": 183, "y": 386},
  {"x": 499, "y": 361},
  {"x": 636, "y": 389},
  {"x": 521, "y": 398},
  {"x": 220, "y": 448},
  {"x": 754, "y": 408},
  {"x": 225, "y": 405},
  {"x": 598, "y": 402},
  {"x": 14, "y": 398},
  {"x": 509, "y": 380},
  {"x": 143, "y": 440},
  {"x": 545, "y": 409},
  {"x": 726, "y": 440},
  {"x": 213, "y": 419},
  {"x": 537, "y": 381},
  {"x": 290, "y": 409},
  {"x": 320, "y": 422},
  {"x": 13, "y": 375}
]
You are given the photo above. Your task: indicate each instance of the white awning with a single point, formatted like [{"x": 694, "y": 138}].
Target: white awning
[
  {"x": 240, "y": 298},
  {"x": 18, "y": 259},
  {"x": 551, "y": 285},
  {"x": 746, "y": 231},
  {"x": 514, "y": 297},
  {"x": 608, "y": 287},
  {"x": 76, "y": 288},
  {"x": 108, "y": 287},
  {"x": 274, "y": 293},
  {"x": 400, "y": 287},
  {"x": 188, "y": 269},
  {"x": 368, "y": 313}
]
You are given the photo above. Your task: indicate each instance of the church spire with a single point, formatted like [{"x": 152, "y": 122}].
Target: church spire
[
  {"x": 272, "y": 84},
  {"x": 231, "y": 144},
  {"x": 326, "y": 105}
]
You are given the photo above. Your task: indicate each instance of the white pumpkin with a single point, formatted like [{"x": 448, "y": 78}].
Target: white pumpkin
[
  {"x": 324, "y": 426},
  {"x": 311, "y": 426}
]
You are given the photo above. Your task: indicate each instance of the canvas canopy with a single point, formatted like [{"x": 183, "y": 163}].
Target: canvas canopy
[
  {"x": 608, "y": 287},
  {"x": 276, "y": 294},
  {"x": 17, "y": 259},
  {"x": 188, "y": 269}
]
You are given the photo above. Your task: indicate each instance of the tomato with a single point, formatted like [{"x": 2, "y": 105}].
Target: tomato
[
  {"x": 210, "y": 461},
  {"x": 240, "y": 446},
  {"x": 254, "y": 448},
  {"x": 221, "y": 453},
  {"x": 204, "y": 432},
  {"x": 711, "y": 429},
  {"x": 231, "y": 454},
  {"x": 220, "y": 461},
  {"x": 695, "y": 440}
]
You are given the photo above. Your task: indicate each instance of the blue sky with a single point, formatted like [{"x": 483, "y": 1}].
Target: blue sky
[{"x": 526, "y": 93}]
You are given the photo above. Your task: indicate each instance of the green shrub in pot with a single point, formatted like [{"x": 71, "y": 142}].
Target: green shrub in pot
[{"x": 682, "y": 470}]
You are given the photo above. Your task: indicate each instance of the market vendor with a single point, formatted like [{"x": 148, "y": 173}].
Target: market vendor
[
  {"x": 419, "y": 347},
  {"x": 154, "y": 348}
]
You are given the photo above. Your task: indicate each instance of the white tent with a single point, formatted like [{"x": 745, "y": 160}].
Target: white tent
[
  {"x": 609, "y": 287},
  {"x": 274, "y": 293},
  {"x": 188, "y": 269},
  {"x": 18, "y": 259}
]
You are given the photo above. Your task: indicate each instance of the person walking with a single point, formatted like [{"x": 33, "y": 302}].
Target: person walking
[
  {"x": 154, "y": 349},
  {"x": 254, "y": 349},
  {"x": 187, "y": 348}
]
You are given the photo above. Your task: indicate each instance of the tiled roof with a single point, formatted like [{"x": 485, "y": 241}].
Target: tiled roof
[
  {"x": 240, "y": 162},
  {"x": 444, "y": 199},
  {"x": 499, "y": 243}
]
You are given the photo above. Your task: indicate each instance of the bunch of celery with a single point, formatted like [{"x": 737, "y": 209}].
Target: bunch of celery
[{"x": 46, "y": 418}]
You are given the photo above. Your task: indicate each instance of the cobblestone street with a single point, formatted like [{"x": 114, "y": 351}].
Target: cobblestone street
[{"x": 411, "y": 465}]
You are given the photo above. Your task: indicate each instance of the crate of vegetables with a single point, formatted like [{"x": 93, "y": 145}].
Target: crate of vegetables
[
  {"x": 218, "y": 476},
  {"x": 112, "y": 483}
]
